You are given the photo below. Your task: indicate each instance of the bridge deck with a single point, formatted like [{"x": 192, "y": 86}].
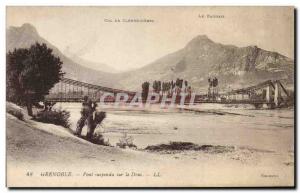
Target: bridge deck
[
  {"x": 69, "y": 96},
  {"x": 79, "y": 100}
]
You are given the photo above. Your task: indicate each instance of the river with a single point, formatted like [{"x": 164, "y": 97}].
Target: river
[{"x": 240, "y": 126}]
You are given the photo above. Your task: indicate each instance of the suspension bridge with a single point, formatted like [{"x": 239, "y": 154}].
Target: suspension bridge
[
  {"x": 271, "y": 93},
  {"x": 69, "y": 90}
]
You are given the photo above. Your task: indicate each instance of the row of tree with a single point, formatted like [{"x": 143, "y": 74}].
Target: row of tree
[
  {"x": 169, "y": 86},
  {"x": 165, "y": 87}
]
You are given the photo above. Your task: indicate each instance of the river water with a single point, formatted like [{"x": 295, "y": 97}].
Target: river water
[{"x": 236, "y": 125}]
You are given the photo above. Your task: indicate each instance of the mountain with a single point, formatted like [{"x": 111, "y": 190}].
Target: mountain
[
  {"x": 26, "y": 35},
  {"x": 235, "y": 67},
  {"x": 202, "y": 58}
]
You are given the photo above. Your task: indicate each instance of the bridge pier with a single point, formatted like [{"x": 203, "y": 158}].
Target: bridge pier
[{"x": 277, "y": 94}]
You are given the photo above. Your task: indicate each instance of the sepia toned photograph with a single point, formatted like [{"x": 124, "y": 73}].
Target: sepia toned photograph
[{"x": 185, "y": 96}]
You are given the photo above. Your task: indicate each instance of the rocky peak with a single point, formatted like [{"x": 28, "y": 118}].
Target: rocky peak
[
  {"x": 26, "y": 28},
  {"x": 199, "y": 41}
]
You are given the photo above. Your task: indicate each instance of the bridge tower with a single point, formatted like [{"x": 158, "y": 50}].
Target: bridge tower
[
  {"x": 268, "y": 93},
  {"x": 277, "y": 94},
  {"x": 273, "y": 93}
]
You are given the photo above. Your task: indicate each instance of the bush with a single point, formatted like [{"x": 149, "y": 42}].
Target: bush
[
  {"x": 99, "y": 140},
  {"x": 125, "y": 141},
  {"x": 57, "y": 117},
  {"x": 99, "y": 117},
  {"x": 16, "y": 113}
]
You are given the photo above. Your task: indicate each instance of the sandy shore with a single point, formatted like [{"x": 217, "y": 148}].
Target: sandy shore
[{"x": 33, "y": 149}]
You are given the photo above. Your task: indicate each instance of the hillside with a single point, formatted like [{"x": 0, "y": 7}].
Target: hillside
[
  {"x": 201, "y": 58},
  {"x": 26, "y": 35}
]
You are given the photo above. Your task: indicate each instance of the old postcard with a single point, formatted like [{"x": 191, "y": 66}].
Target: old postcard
[{"x": 150, "y": 96}]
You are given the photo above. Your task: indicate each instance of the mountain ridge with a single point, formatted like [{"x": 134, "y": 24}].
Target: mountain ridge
[
  {"x": 202, "y": 58},
  {"x": 199, "y": 59},
  {"x": 26, "y": 35}
]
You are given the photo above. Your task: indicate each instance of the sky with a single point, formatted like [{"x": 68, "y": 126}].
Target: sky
[{"x": 85, "y": 32}]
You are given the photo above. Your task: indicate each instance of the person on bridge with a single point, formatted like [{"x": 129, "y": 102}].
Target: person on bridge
[{"x": 88, "y": 108}]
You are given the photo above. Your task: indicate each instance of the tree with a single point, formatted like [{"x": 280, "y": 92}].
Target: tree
[
  {"x": 186, "y": 83},
  {"x": 173, "y": 84},
  {"x": 154, "y": 85},
  {"x": 157, "y": 86},
  {"x": 145, "y": 90},
  {"x": 179, "y": 82},
  {"x": 31, "y": 73}
]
